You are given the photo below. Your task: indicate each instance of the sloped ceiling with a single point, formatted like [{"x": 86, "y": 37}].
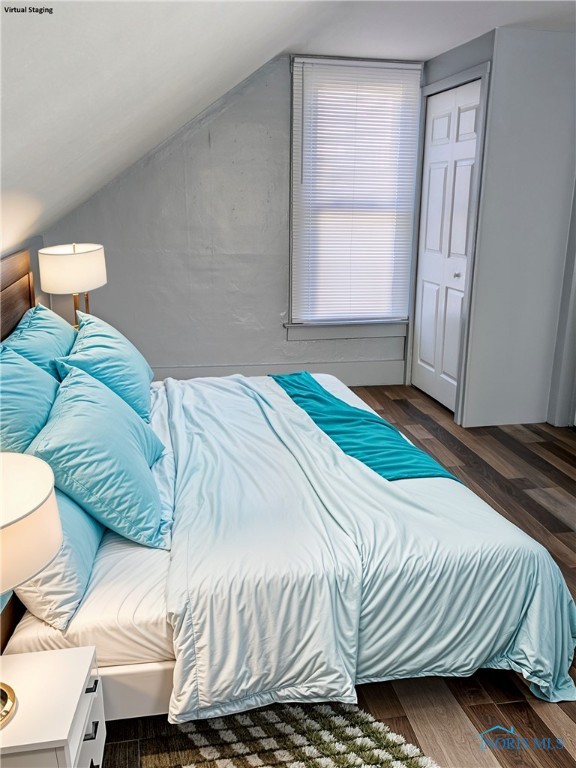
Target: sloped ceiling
[{"x": 91, "y": 87}]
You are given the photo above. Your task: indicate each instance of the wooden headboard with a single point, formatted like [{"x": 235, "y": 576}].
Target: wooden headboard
[
  {"x": 16, "y": 290},
  {"x": 16, "y": 296}
]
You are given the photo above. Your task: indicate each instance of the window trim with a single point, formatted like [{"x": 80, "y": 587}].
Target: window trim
[
  {"x": 348, "y": 329},
  {"x": 354, "y": 327}
]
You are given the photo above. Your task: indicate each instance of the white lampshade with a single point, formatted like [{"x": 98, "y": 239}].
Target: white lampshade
[
  {"x": 73, "y": 268},
  {"x": 30, "y": 528}
]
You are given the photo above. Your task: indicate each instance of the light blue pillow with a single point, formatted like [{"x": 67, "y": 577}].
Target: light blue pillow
[
  {"x": 108, "y": 356},
  {"x": 41, "y": 336},
  {"x": 55, "y": 593},
  {"x": 27, "y": 394},
  {"x": 101, "y": 452}
]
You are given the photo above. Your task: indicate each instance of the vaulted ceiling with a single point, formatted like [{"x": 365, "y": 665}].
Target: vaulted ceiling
[{"x": 92, "y": 86}]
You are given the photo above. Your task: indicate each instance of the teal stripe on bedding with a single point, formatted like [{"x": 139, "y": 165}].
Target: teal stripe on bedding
[{"x": 361, "y": 434}]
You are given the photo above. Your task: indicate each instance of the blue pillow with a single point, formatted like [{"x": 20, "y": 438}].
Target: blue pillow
[
  {"x": 108, "y": 356},
  {"x": 42, "y": 336},
  {"x": 55, "y": 593},
  {"x": 101, "y": 452},
  {"x": 27, "y": 394}
]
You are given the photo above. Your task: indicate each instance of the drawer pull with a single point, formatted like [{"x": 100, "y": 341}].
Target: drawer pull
[
  {"x": 92, "y": 735},
  {"x": 92, "y": 689},
  {"x": 93, "y": 764}
]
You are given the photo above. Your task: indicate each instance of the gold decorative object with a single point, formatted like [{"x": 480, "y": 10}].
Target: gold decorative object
[{"x": 7, "y": 703}]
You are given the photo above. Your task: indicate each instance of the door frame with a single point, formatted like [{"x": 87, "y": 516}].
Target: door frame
[{"x": 480, "y": 72}]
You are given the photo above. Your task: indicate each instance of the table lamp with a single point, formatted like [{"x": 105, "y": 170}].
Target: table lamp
[
  {"x": 75, "y": 268},
  {"x": 30, "y": 532}
]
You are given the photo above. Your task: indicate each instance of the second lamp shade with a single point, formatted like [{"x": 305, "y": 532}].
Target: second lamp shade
[{"x": 73, "y": 268}]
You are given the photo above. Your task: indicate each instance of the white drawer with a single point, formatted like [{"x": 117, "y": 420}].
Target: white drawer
[
  {"x": 42, "y": 758},
  {"x": 92, "y": 747}
]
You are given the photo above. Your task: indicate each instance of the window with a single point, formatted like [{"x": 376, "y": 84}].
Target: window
[{"x": 354, "y": 156}]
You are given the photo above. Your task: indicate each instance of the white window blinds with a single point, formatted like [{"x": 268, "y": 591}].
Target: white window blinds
[{"x": 354, "y": 155}]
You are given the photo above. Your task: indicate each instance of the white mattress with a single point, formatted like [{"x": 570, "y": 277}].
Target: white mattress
[{"x": 123, "y": 612}]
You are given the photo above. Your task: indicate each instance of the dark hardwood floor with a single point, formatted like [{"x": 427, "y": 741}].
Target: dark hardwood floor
[{"x": 528, "y": 474}]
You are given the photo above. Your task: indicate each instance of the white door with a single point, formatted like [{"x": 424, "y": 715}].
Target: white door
[{"x": 447, "y": 222}]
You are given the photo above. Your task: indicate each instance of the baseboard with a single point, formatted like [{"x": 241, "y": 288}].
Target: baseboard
[{"x": 353, "y": 373}]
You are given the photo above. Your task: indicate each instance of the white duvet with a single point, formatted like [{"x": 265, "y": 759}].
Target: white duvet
[{"x": 297, "y": 572}]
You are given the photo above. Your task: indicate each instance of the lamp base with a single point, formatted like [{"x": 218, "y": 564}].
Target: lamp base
[
  {"x": 76, "y": 308},
  {"x": 76, "y": 298},
  {"x": 7, "y": 703}
]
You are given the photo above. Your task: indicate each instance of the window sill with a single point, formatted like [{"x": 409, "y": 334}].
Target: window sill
[{"x": 377, "y": 330}]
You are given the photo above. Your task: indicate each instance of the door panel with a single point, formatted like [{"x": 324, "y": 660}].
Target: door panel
[
  {"x": 452, "y": 315},
  {"x": 435, "y": 203},
  {"x": 445, "y": 240},
  {"x": 466, "y": 123},
  {"x": 441, "y": 128},
  {"x": 429, "y": 313},
  {"x": 460, "y": 207}
]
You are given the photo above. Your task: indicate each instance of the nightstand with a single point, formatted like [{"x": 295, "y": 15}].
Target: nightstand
[{"x": 59, "y": 717}]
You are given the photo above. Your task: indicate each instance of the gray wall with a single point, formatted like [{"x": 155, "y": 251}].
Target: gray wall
[
  {"x": 459, "y": 59},
  {"x": 197, "y": 246},
  {"x": 561, "y": 409},
  {"x": 197, "y": 237},
  {"x": 527, "y": 187}
]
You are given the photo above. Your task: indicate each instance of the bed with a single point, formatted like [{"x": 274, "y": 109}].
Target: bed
[{"x": 293, "y": 571}]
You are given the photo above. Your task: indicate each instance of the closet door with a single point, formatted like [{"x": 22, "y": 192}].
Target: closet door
[{"x": 447, "y": 224}]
